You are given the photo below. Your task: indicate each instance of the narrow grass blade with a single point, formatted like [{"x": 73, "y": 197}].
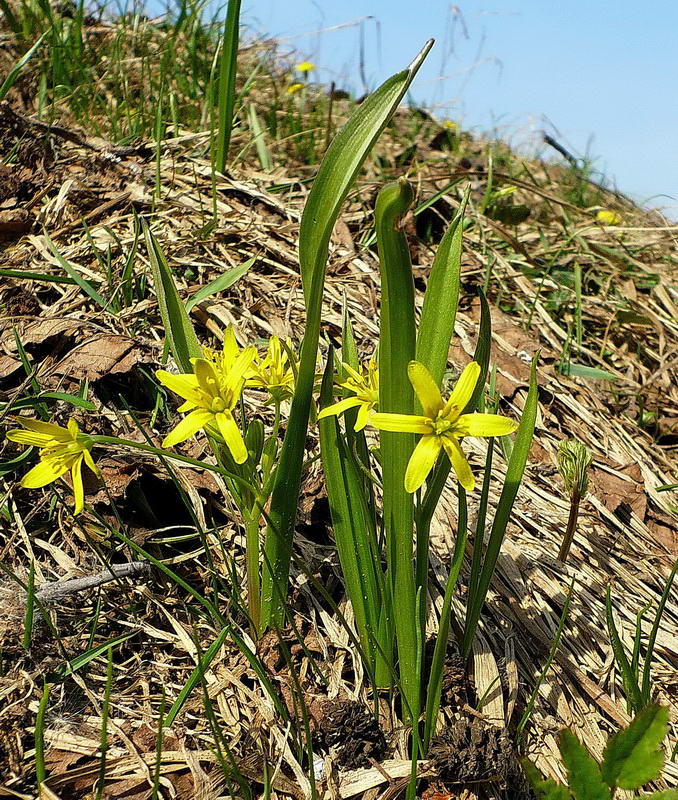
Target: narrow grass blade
[
  {"x": 36, "y": 276},
  {"x": 182, "y": 339},
  {"x": 158, "y": 747},
  {"x": 227, "y": 72},
  {"x": 259, "y": 138},
  {"x": 40, "y": 770},
  {"x": 83, "y": 659},
  {"x": 514, "y": 475},
  {"x": 85, "y": 285},
  {"x": 397, "y": 347},
  {"x": 194, "y": 678},
  {"x": 220, "y": 284},
  {"x": 337, "y": 172},
  {"x": 13, "y": 74},
  {"x": 646, "y": 690},
  {"x": 439, "y": 311}
]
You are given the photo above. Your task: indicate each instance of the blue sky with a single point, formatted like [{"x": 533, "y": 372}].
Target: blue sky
[{"x": 599, "y": 76}]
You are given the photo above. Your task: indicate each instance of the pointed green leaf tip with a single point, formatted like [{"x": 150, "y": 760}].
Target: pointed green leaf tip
[
  {"x": 633, "y": 757},
  {"x": 583, "y": 772}
]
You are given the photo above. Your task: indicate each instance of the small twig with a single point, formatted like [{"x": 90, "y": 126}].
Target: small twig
[
  {"x": 559, "y": 148},
  {"x": 58, "y": 589}
]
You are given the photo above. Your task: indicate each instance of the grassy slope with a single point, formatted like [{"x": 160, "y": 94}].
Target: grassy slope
[{"x": 138, "y": 95}]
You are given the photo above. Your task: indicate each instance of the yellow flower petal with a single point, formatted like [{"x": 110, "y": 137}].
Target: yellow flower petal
[
  {"x": 400, "y": 423},
  {"x": 47, "y": 428},
  {"x": 184, "y": 385},
  {"x": 188, "y": 427},
  {"x": 426, "y": 389},
  {"x": 230, "y": 431},
  {"x": 206, "y": 376},
  {"x": 29, "y": 437},
  {"x": 44, "y": 472},
  {"x": 239, "y": 370},
  {"x": 72, "y": 426},
  {"x": 230, "y": 348},
  {"x": 357, "y": 377},
  {"x": 463, "y": 390},
  {"x": 338, "y": 408},
  {"x": 459, "y": 463},
  {"x": 421, "y": 462},
  {"x": 90, "y": 463},
  {"x": 363, "y": 416},
  {"x": 78, "y": 488},
  {"x": 484, "y": 425}
]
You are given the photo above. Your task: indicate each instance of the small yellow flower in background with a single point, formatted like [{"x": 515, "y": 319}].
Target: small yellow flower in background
[
  {"x": 61, "y": 450},
  {"x": 211, "y": 393},
  {"x": 305, "y": 67},
  {"x": 608, "y": 217},
  {"x": 365, "y": 386},
  {"x": 293, "y": 88},
  {"x": 451, "y": 126},
  {"x": 442, "y": 425},
  {"x": 274, "y": 372}
]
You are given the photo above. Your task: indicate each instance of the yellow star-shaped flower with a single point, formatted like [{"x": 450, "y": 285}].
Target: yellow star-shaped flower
[
  {"x": 608, "y": 217},
  {"x": 61, "y": 450},
  {"x": 365, "y": 387},
  {"x": 274, "y": 372},
  {"x": 211, "y": 393},
  {"x": 442, "y": 425},
  {"x": 305, "y": 66}
]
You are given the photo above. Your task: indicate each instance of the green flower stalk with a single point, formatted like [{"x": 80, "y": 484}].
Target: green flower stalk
[{"x": 574, "y": 459}]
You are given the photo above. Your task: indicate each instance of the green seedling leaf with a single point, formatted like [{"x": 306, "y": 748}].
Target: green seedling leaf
[
  {"x": 546, "y": 789},
  {"x": 36, "y": 276},
  {"x": 667, "y": 794},
  {"x": 633, "y": 756},
  {"x": 221, "y": 283},
  {"x": 182, "y": 339},
  {"x": 583, "y": 772},
  {"x": 589, "y": 373}
]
